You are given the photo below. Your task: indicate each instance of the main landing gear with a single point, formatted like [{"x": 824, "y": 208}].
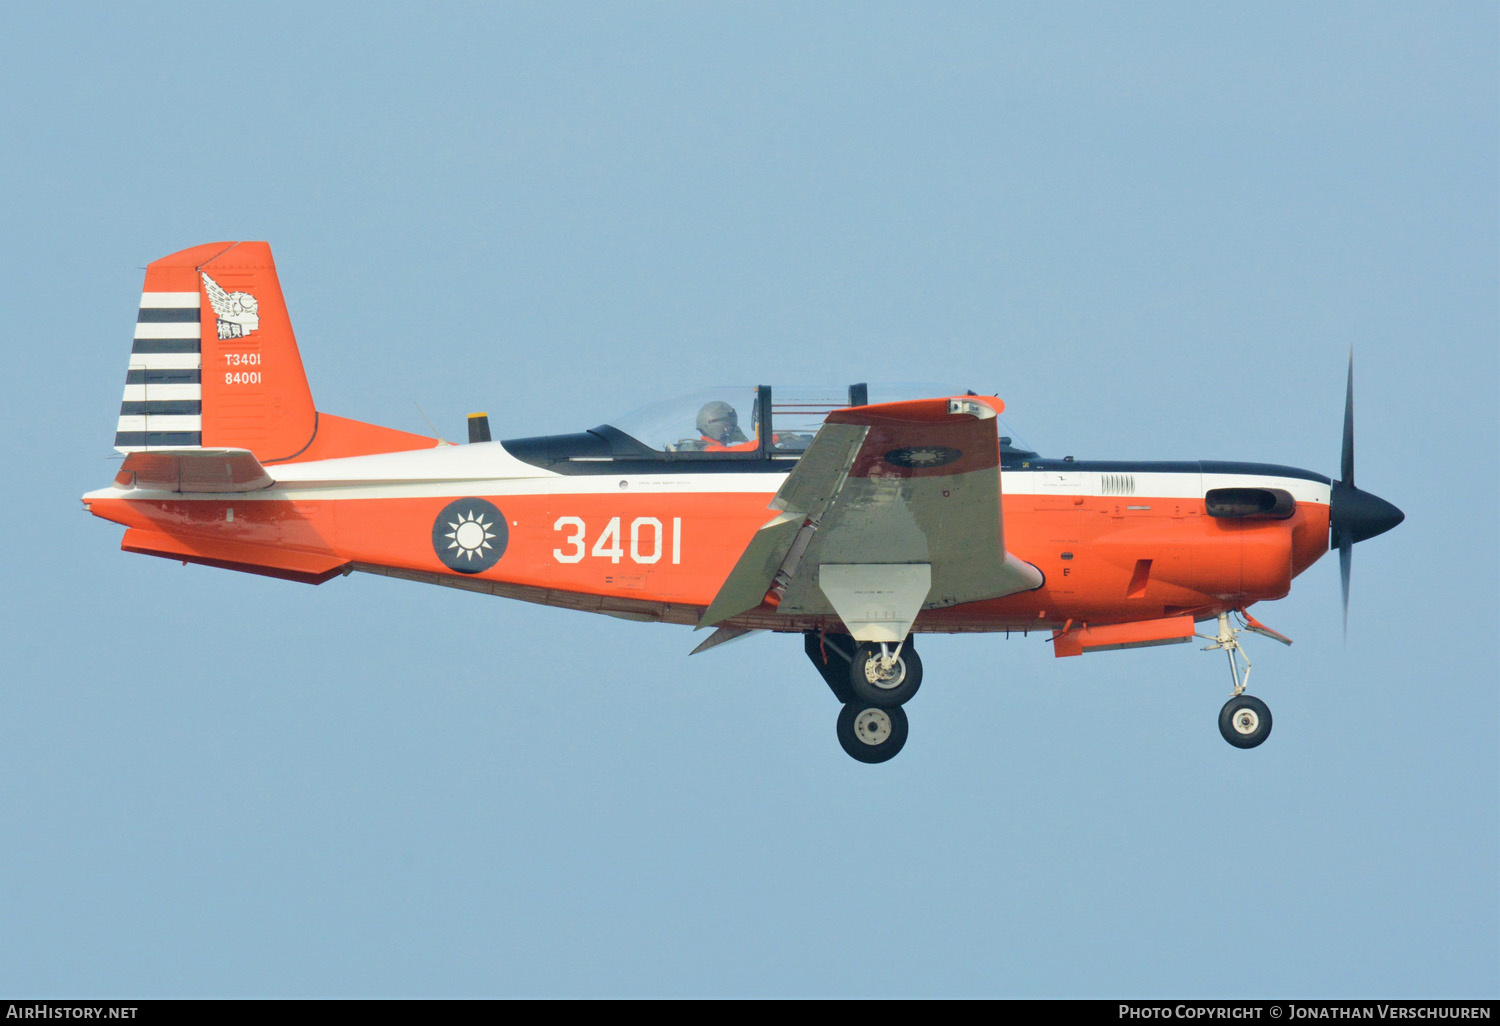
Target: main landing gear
[
  {"x": 870, "y": 733},
  {"x": 873, "y": 681},
  {"x": 1245, "y": 721}
]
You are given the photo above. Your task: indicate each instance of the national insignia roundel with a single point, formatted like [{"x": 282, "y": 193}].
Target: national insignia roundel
[
  {"x": 470, "y": 535},
  {"x": 919, "y": 457}
]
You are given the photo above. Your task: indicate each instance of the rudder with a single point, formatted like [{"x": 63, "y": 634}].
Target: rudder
[{"x": 215, "y": 364}]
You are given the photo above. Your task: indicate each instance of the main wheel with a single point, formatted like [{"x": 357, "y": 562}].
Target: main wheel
[
  {"x": 873, "y": 684},
  {"x": 870, "y": 733},
  {"x": 1245, "y": 721}
]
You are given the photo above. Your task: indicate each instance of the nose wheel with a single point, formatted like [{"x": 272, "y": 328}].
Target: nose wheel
[{"x": 1245, "y": 721}]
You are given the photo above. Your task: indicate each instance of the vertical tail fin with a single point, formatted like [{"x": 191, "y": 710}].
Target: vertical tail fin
[{"x": 215, "y": 364}]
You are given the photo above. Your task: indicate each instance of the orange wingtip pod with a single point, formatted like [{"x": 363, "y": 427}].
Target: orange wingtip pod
[
  {"x": 925, "y": 437},
  {"x": 982, "y": 407}
]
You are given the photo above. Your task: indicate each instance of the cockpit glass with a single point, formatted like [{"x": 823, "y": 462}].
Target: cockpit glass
[
  {"x": 726, "y": 418},
  {"x": 726, "y": 413},
  {"x": 798, "y": 411}
]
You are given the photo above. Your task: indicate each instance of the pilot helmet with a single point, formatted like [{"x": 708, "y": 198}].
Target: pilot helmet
[{"x": 717, "y": 420}]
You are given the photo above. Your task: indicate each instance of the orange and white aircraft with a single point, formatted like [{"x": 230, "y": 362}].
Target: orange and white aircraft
[{"x": 858, "y": 525}]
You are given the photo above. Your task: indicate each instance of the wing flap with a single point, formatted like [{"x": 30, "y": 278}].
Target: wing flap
[
  {"x": 751, "y": 578},
  {"x": 802, "y": 498}
]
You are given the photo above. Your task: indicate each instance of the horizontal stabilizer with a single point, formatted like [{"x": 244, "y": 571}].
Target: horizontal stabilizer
[
  {"x": 194, "y": 470},
  {"x": 286, "y": 564}
]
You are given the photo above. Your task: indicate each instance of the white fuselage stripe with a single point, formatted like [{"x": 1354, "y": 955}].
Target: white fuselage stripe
[
  {"x": 1152, "y": 484},
  {"x": 1152, "y": 487}
]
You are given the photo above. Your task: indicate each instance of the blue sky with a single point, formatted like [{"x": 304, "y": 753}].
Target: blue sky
[{"x": 1154, "y": 230}]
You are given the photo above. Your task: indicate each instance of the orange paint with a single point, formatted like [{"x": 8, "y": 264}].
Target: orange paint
[{"x": 1196, "y": 564}]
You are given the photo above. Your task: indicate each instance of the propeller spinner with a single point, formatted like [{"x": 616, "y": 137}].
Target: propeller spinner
[{"x": 1354, "y": 515}]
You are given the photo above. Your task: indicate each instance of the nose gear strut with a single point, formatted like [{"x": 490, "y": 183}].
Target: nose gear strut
[
  {"x": 1228, "y": 639},
  {"x": 1245, "y": 721}
]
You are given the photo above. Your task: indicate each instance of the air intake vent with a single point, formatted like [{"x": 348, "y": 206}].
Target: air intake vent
[
  {"x": 1117, "y": 484},
  {"x": 1257, "y": 503}
]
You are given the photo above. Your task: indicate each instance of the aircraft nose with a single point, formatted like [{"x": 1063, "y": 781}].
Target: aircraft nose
[{"x": 1362, "y": 514}]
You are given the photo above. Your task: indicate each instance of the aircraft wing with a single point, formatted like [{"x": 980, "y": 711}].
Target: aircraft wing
[{"x": 893, "y": 509}]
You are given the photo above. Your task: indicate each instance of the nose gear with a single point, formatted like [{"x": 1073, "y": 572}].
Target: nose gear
[{"x": 1245, "y": 721}]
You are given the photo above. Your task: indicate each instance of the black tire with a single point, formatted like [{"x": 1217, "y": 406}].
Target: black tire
[
  {"x": 897, "y": 688},
  {"x": 1245, "y": 721},
  {"x": 870, "y": 733}
]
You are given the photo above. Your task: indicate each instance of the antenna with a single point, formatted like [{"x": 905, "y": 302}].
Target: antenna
[{"x": 436, "y": 433}]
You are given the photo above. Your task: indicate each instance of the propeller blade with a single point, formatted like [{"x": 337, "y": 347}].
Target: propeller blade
[
  {"x": 1346, "y": 462},
  {"x": 1346, "y": 558}
]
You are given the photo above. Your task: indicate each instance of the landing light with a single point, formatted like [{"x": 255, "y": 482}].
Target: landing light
[{"x": 971, "y": 407}]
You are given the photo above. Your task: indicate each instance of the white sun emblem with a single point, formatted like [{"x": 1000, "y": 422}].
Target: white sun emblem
[
  {"x": 470, "y": 535},
  {"x": 924, "y": 455}
]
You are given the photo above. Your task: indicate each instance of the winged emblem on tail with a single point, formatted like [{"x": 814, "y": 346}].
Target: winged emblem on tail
[{"x": 238, "y": 313}]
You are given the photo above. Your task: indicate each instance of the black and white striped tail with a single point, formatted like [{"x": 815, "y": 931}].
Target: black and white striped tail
[{"x": 163, "y": 404}]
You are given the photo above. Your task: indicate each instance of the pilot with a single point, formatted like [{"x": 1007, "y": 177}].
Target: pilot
[{"x": 720, "y": 427}]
